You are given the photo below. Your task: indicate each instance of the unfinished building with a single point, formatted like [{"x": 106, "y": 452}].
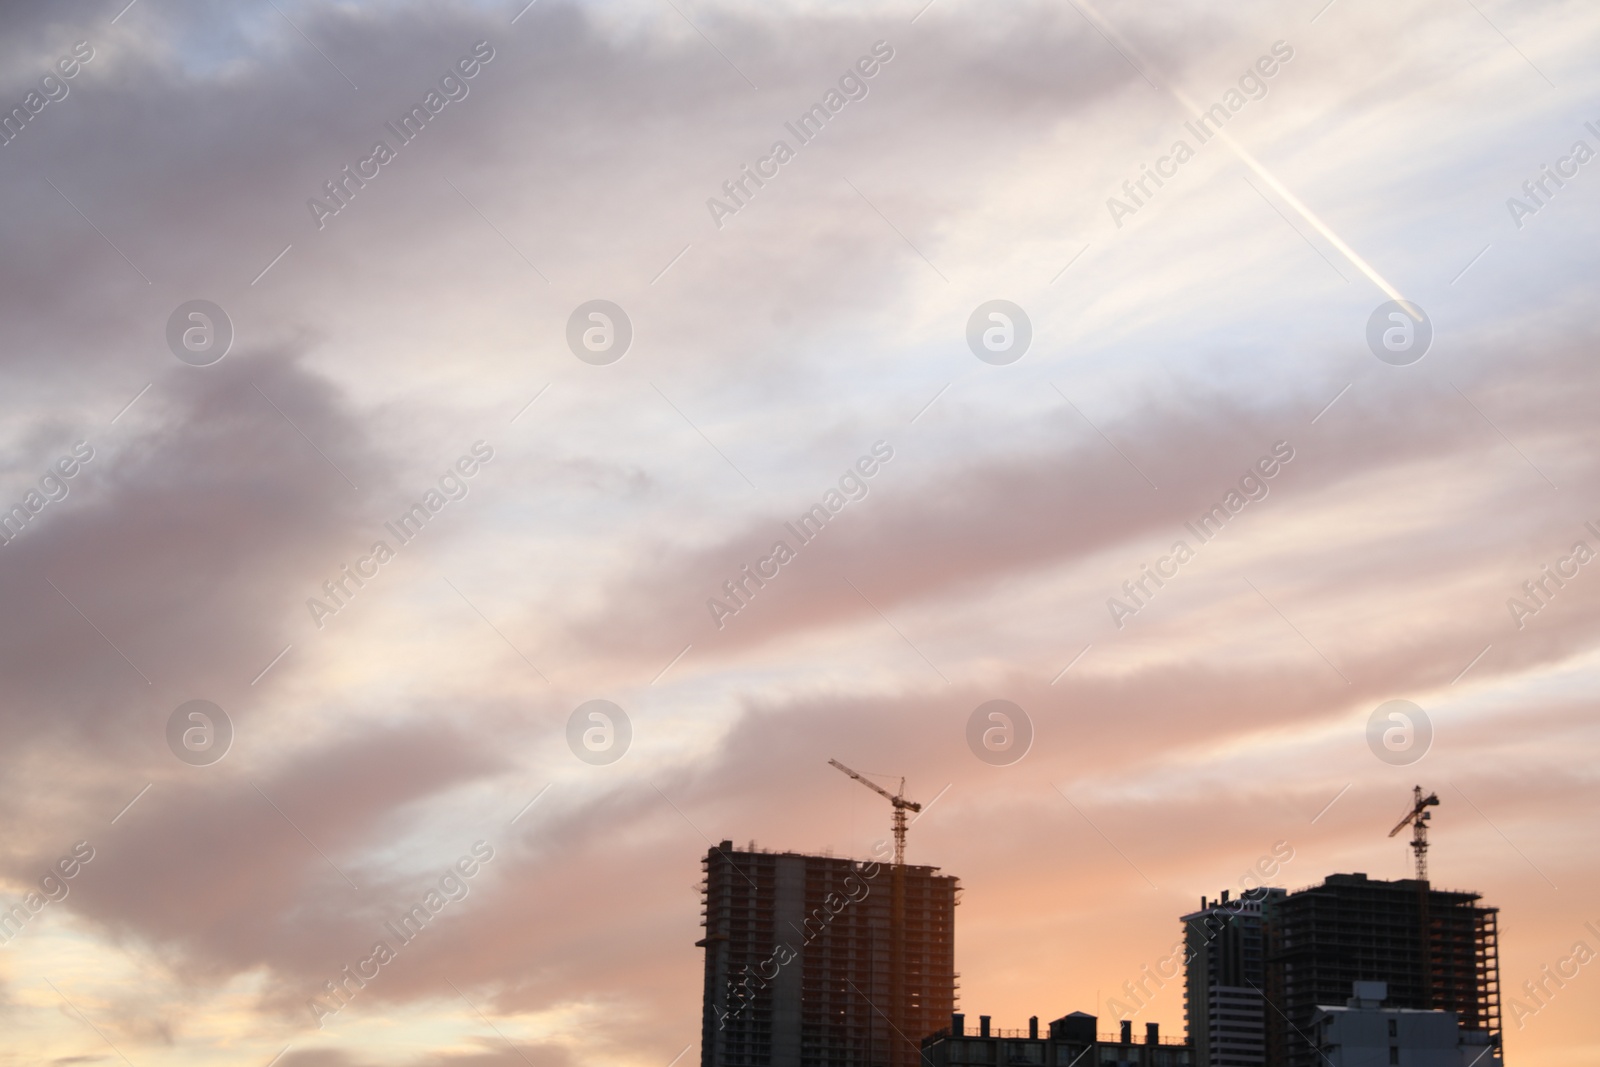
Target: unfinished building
[
  {"x": 799, "y": 960},
  {"x": 1436, "y": 949}
]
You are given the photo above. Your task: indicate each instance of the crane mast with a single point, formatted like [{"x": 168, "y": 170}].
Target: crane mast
[
  {"x": 901, "y": 1051},
  {"x": 1417, "y": 818}
]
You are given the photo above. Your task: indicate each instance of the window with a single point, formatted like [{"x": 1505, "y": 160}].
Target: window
[
  {"x": 1394, "y": 1054},
  {"x": 1394, "y": 1028}
]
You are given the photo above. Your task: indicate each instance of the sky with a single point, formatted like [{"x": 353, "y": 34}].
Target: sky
[{"x": 565, "y": 492}]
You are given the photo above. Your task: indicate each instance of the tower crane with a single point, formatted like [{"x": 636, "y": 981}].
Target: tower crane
[
  {"x": 1417, "y": 818},
  {"x": 901, "y": 806}
]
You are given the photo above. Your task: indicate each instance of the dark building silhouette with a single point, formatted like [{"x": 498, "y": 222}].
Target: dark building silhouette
[
  {"x": 798, "y": 960},
  {"x": 1072, "y": 1041},
  {"x": 1435, "y": 949},
  {"x": 1225, "y": 979}
]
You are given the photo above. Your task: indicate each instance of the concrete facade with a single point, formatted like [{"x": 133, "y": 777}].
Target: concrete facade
[{"x": 798, "y": 958}]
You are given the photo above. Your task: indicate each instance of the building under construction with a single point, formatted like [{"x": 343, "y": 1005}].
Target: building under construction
[
  {"x": 800, "y": 963},
  {"x": 1435, "y": 948}
]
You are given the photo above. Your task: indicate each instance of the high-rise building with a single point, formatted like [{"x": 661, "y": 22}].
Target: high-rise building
[
  {"x": 1225, "y": 980},
  {"x": 1434, "y": 948},
  {"x": 800, "y": 963}
]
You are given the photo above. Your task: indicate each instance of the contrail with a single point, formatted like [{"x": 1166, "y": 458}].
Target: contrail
[{"x": 1129, "y": 51}]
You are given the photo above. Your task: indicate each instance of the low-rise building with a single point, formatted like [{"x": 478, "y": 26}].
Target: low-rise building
[
  {"x": 1071, "y": 1041},
  {"x": 1364, "y": 1033}
]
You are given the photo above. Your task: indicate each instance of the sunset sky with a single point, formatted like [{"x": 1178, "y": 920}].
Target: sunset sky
[{"x": 821, "y": 320}]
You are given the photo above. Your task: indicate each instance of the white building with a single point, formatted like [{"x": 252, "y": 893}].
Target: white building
[{"x": 1364, "y": 1033}]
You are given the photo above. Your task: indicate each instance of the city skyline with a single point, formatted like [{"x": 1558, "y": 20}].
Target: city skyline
[{"x": 1190, "y": 963}]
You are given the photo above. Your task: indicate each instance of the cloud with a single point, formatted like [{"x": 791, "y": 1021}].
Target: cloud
[
  {"x": 167, "y": 570},
  {"x": 767, "y": 356}
]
